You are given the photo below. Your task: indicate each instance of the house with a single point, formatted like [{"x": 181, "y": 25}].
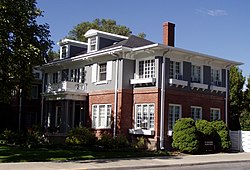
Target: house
[{"x": 132, "y": 86}]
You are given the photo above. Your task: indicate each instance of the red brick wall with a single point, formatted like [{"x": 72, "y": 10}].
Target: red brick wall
[
  {"x": 195, "y": 98},
  {"x": 148, "y": 95}
]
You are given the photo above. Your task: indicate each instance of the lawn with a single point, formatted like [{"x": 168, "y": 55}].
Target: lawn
[{"x": 22, "y": 154}]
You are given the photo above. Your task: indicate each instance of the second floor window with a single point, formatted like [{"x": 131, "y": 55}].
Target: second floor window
[
  {"x": 175, "y": 70},
  {"x": 55, "y": 78},
  {"x": 196, "y": 74},
  {"x": 147, "y": 68},
  {"x": 102, "y": 71},
  {"x": 34, "y": 92},
  {"x": 215, "y": 77}
]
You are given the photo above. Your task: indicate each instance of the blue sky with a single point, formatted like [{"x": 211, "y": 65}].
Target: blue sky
[{"x": 219, "y": 28}]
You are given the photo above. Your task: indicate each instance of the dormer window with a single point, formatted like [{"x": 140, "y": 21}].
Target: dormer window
[
  {"x": 93, "y": 44},
  {"x": 64, "y": 52}
]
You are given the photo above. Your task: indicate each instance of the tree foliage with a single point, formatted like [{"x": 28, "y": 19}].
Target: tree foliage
[
  {"x": 23, "y": 44},
  {"x": 236, "y": 97},
  {"x": 107, "y": 25}
]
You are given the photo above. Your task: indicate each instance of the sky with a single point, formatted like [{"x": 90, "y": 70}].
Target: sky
[{"x": 218, "y": 28}]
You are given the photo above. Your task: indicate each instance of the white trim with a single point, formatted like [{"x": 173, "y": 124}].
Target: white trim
[
  {"x": 142, "y": 80},
  {"x": 94, "y": 32},
  {"x": 94, "y": 73},
  {"x": 109, "y": 70}
]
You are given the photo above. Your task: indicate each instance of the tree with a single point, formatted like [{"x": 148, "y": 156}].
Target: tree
[
  {"x": 236, "y": 97},
  {"x": 106, "y": 25},
  {"x": 52, "y": 55},
  {"x": 23, "y": 44},
  {"x": 245, "y": 115}
]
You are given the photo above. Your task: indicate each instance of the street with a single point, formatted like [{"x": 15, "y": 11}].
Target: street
[{"x": 217, "y": 166}]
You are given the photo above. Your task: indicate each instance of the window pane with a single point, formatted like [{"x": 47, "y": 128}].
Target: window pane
[
  {"x": 145, "y": 116},
  {"x": 174, "y": 115},
  {"x": 102, "y": 71}
]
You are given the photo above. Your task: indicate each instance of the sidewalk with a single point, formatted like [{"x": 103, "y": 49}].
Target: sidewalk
[{"x": 130, "y": 163}]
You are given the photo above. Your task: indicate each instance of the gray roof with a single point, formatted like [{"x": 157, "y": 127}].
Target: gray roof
[{"x": 132, "y": 42}]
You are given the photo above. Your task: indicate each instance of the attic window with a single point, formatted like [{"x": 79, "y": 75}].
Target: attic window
[
  {"x": 64, "y": 49},
  {"x": 93, "y": 44}
]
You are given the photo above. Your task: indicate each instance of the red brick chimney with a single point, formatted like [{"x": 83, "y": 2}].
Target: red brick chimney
[{"x": 168, "y": 33}]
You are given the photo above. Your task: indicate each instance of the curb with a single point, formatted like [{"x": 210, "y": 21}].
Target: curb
[{"x": 162, "y": 166}]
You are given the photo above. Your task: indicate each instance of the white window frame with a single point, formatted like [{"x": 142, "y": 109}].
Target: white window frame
[
  {"x": 175, "y": 75},
  {"x": 148, "y": 121},
  {"x": 102, "y": 72},
  {"x": 173, "y": 115},
  {"x": 96, "y": 73},
  {"x": 213, "y": 82},
  {"x": 194, "y": 115},
  {"x": 194, "y": 76},
  {"x": 66, "y": 51},
  {"x": 151, "y": 69},
  {"x": 55, "y": 77},
  {"x": 90, "y": 44},
  {"x": 107, "y": 117},
  {"x": 212, "y": 114}
]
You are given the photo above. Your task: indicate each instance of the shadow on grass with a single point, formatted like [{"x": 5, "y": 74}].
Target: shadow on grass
[{"x": 21, "y": 154}]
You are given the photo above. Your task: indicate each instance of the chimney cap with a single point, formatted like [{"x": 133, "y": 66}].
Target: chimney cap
[{"x": 168, "y": 23}]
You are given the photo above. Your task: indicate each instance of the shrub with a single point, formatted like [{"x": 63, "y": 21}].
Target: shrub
[
  {"x": 121, "y": 142},
  {"x": 185, "y": 136},
  {"x": 245, "y": 120},
  {"x": 106, "y": 141},
  {"x": 205, "y": 128},
  {"x": 222, "y": 140},
  {"x": 141, "y": 143},
  {"x": 80, "y": 137}
]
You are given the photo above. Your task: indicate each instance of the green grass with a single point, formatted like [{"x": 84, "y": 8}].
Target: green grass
[{"x": 22, "y": 154}]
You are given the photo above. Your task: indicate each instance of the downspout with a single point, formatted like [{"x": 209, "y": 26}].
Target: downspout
[
  {"x": 226, "y": 100},
  {"x": 43, "y": 84},
  {"x": 116, "y": 92},
  {"x": 163, "y": 87}
]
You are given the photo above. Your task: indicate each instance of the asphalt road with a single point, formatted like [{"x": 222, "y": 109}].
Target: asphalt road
[{"x": 217, "y": 166}]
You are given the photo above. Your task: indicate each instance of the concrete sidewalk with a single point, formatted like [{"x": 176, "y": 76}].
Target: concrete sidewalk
[{"x": 131, "y": 163}]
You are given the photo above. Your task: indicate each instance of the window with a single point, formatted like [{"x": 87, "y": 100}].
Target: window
[
  {"x": 175, "y": 70},
  {"x": 64, "y": 52},
  {"x": 196, "y": 73},
  {"x": 174, "y": 115},
  {"x": 144, "y": 116},
  {"x": 215, "y": 77},
  {"x": 215, "y": 114},
  {"x": 75, "y": 75},
  {"x": 147, "y": 69},
  {"x": 196, "y": 112},
  {"x": 93, "y": 44},
  {"x": 34, "y": 92},
  {"x": 55, "y": 78},
  {"x": 65, "y": 74},
  {"x": 101, "y": 116},
  {"x": 102, "y": 71},
  {"x": 36, "y": 75}
]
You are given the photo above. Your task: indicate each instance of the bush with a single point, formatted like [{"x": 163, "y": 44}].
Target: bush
[
  {"x": 141, "y": 143},
  {"x": 121, "y": 142},
  {"x": 185, "y": 136},
  {"x": 106, "y": 141},
  {"x": 222, "y": 140},
  {"x": 80, "y": 136}
]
